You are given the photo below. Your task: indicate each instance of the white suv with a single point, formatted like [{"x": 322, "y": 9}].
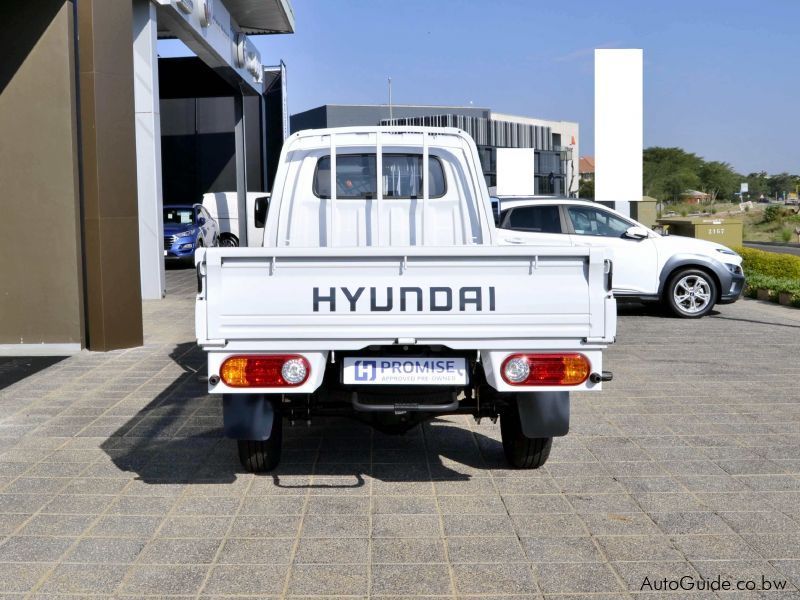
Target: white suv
[{"x": 687, "y": 275}]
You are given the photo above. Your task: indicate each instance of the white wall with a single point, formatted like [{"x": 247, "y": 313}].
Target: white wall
[
  {"x": 618, "y": 126},
  {"x": 515, "y": 171}
]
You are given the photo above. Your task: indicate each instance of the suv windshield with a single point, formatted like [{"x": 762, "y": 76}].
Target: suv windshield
[
  {"x": 587, "y": 220},
  {"x": 179, "y": 216}
]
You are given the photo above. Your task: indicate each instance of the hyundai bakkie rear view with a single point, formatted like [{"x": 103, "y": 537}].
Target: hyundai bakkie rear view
[{"x": 382, "y": 293}]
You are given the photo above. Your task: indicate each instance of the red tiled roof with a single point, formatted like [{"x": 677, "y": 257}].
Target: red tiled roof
[{"x": 586, "y": 164}]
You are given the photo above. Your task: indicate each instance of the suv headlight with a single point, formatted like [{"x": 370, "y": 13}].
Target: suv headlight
[
  {"x": 727, "y": 251},
  {"x": 735, "y": 269},
  {"x": 187, "y": 233}
]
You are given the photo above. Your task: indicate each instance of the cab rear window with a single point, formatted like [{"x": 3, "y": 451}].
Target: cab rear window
[{"x": 356, "y": 176}]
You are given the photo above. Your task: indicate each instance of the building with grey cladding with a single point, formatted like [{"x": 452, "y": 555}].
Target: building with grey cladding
[{"x": 555, "y": 142}]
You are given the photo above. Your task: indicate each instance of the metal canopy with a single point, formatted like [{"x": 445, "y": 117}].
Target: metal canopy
[
  {"x": 254, "y": 17},
  {"x": 262, "y": 16}
]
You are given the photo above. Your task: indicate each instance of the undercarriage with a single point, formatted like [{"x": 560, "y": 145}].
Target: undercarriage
[{"x": 529, "y": 420}]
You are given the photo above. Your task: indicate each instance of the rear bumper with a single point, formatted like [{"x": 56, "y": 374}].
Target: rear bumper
[{"x": 490, "y": 361}]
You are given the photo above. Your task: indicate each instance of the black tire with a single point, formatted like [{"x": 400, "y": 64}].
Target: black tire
[
  {"x": 522, "y": 452},
  {"x": 259, "y": 456},
  {"x": 228, "y": 241},
  {"x": 697, "y": 287}
]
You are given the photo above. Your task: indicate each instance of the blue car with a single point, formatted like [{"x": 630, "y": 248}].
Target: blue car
[{"x": 187, "y": 228}]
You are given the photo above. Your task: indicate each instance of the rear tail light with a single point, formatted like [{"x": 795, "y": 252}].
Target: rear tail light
[
  {"x": 277, "y": 370},
  {"x": 545, "y": 369}
]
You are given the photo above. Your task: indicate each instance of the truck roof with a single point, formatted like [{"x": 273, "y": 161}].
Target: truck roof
[
  {"x": 380, "y": 128},
  {"x": 368, "y": 136}
]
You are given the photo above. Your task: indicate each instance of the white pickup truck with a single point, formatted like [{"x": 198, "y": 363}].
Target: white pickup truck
[{"x": 382, "y": 293}]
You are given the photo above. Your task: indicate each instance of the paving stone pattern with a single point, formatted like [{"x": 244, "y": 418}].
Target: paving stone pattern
[{"x": 115, "y": 480}]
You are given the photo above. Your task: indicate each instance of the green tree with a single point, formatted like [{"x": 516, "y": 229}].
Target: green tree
[
  {"x": 780, "y": 184},
  {"x": 586, "y": 189},
  {"x": 757, "y": 184},
  {"x": 678, "y": 182},
  {"x": 718, "y": 180},
  {"x": 668, "y": 172}
]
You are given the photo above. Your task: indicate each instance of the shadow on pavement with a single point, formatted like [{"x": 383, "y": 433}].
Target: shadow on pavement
[
  {"x": 649, "y": 309},
  {"x": 758, "y": 322},
  {"x": 177, "y": 438},
  {"x": 17, "y": 368},
  {"x": 178, "y": 265}
]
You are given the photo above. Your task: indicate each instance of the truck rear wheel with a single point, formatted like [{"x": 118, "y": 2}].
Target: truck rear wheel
[
  {"x": 522, "y": 452},
  {"x": 260, "y": 456}
]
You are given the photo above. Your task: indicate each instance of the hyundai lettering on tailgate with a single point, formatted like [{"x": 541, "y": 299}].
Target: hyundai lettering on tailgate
[{"x": 404, "y": 371}]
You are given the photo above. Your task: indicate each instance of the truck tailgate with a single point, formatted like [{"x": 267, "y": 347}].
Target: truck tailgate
[{"x": 469, "y": 297}]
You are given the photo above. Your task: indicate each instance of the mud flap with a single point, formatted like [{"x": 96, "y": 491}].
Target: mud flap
[
  {"x": 247, "y": 416},
  {"x": 543, "y": 414}
]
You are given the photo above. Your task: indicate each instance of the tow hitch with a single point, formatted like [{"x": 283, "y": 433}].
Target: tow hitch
[{"x": 598, "y": 377}]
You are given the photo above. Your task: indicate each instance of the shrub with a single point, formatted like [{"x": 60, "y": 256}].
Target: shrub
[
  {"x": 775, "y": 286},
  {"x": 786, "y": 234},
  {"x": 778, "y": 273},
  {"x": 772, "y": 213},
  {"x": 761, "y": 282},
  {"x": 770, "y": 264}
]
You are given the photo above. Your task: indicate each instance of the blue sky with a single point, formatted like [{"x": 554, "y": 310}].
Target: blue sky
[{"x": 722, "y": 77}]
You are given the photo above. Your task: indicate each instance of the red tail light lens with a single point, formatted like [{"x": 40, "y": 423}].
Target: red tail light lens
[
  {"x": 545, "y": 369},
  {"x": 281, "y": 370}
]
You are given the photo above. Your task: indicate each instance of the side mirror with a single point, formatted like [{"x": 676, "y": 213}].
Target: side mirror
[
  {"x": 637, "y": 233},
  {"x": 262, "y": 207},
  {"x": 201, "y": 221}
]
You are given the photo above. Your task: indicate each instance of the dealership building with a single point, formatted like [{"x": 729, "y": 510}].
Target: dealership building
[
  {"x": 554, "y": 145},
  {"x": 81, "y": 159},
  {"x": 100, "y": 132}
]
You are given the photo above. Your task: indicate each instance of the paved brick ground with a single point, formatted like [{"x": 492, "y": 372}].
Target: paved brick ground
[{"x": 114, "y": 480}]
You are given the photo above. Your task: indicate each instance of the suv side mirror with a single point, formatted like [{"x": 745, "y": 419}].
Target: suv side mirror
[
  {"x": 201, "y": 221},
  {"x": 637, "y": 233},
  {"x": 262, "y": 207}
]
